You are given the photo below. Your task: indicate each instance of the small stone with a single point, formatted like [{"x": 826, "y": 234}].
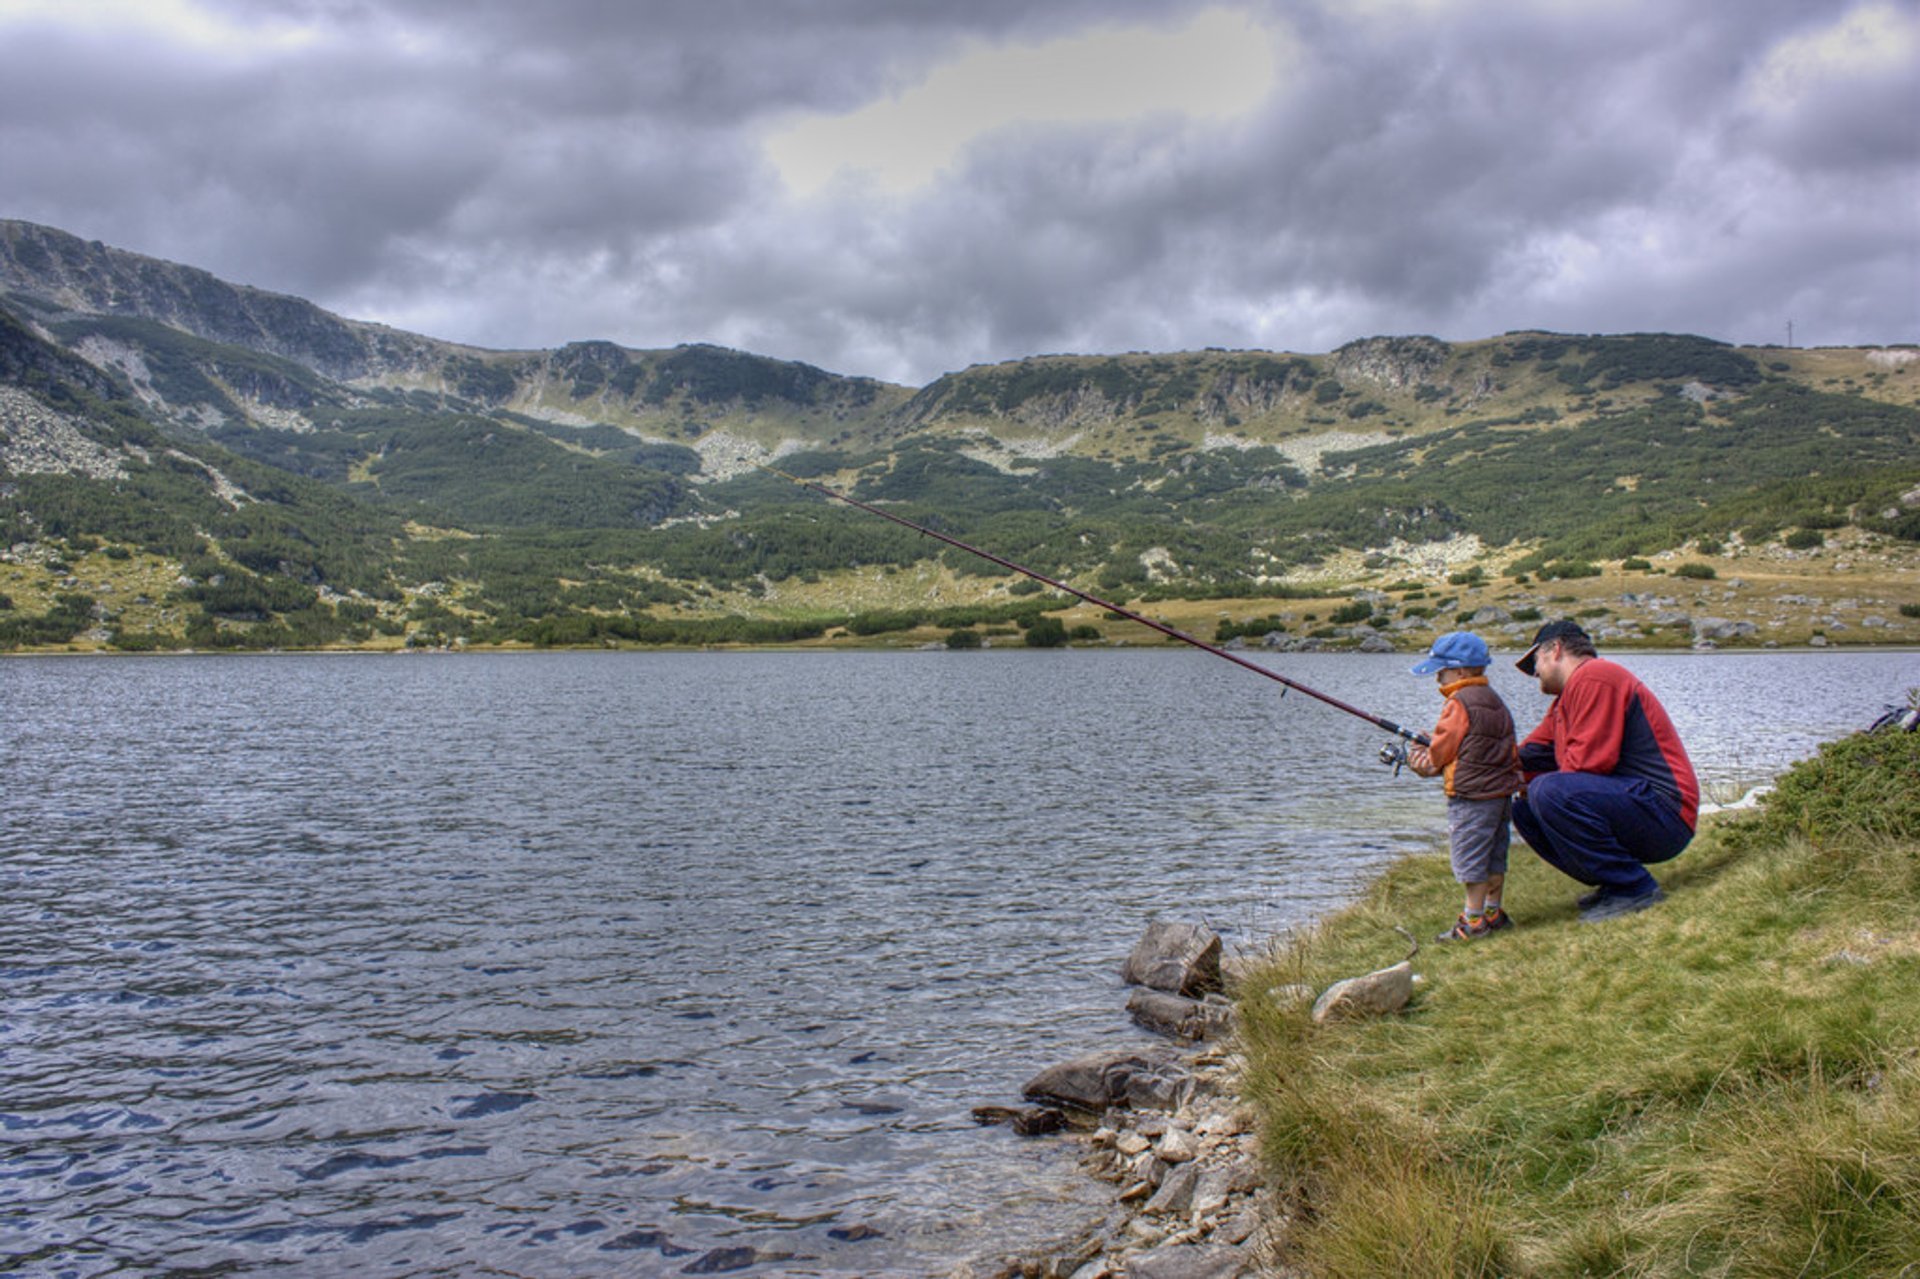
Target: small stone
[
  {"x": 1178, "y": 1146},
  {"x": 1175, "y": 1196},
  {"x": 1132, "y": 1143}
]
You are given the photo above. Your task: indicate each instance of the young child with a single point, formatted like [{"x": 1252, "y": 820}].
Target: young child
[{"x": 1474, "y": 748}]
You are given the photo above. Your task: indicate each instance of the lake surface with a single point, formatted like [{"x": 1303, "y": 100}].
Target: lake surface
[{"x": 625, "y": 963}]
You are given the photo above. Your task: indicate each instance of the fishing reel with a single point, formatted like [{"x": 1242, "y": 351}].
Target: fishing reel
[{"x": 1394, "y": 756}]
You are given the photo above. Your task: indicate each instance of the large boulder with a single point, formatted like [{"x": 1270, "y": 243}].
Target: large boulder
[{"x": 1181, "y": 959}]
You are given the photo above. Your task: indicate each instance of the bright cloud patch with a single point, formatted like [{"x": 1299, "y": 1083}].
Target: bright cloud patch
[
  {"x": 1219, "y": 65},
  {"x": 1871, "y": 40}
]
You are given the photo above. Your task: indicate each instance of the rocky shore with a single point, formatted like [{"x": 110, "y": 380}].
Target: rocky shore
[{"x": 1165, "y": 1126}]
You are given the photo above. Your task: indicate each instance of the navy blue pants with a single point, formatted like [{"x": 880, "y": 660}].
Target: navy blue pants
[{"x": 1600, "y": 830}]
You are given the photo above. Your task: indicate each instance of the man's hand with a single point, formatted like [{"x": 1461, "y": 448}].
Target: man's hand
[{"x": 1420, "y": 760}]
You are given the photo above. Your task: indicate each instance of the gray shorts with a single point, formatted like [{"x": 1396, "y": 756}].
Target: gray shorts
[{"x": 1477, "y": 836}]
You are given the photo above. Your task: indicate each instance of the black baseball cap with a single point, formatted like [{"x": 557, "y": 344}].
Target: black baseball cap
[{"x": 1563, "y": 629}]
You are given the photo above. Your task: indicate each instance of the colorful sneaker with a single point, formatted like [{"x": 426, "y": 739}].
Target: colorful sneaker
[
  {"x": 1465, "y": 929},
  {"x": 1497, "y": 918}
]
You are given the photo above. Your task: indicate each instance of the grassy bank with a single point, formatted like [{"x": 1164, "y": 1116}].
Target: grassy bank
[{"x": 1728, "y": 1084}]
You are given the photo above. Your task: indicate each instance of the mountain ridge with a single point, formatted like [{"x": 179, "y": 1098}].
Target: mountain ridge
[{"x": 332, "y": 466}]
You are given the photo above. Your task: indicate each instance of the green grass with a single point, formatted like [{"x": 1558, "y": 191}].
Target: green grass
[{"x": 1727, "y": 1085}]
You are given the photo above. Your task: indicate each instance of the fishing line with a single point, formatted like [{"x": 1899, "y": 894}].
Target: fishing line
[{"x": 1392, "y": 753}]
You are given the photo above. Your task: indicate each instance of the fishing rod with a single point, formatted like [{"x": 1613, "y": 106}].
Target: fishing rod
[{"x": 1393, "y": 753}]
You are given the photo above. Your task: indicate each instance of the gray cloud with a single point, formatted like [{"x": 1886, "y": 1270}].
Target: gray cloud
[{"x": 517, "y": 175}]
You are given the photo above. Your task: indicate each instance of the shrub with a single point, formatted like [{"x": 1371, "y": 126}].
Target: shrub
[
  {"x": 1348, "y": 614},
  {"x": 964, "y": 638},
  {"x": 1468, "y": 576},
  {"x": 1804, "y": 539},
  {"x": 1868, "y": 783},
  {"x": 1046, "y": 632},
  {"x": 1636, "y": 564},
  {"x": 1704, "y": 572},
  {"x": 1910, "y": 610}
]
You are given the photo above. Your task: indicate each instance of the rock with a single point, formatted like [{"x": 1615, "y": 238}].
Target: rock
[
  {"x": 1239, "y": 1228},
  {"x": 1234, "y": 1121},
  {"x": 1376, "y": 643},
  {"x": 1178, "y": 1016},
  {"x": 1181, "y": 959},
  {"x": 1095, "y": 1081},
  {"x": 1175, "y": 1196},
  {"x": 1189, "y": 1261},
  {"x": 1719, "y": 628},
  {"x": 1161, "y": 1091},
  {"x": 1212, "y": 1191},
  {"x": 1038, "y": 1121},
  {"x": 1028, "y": 1121},
  {"x": 1178, "y": 1147},
  {"x": 1374, "y": 994}
]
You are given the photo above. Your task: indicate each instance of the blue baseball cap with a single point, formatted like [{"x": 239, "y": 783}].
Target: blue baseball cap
[{"x": 1455, "y": 648}]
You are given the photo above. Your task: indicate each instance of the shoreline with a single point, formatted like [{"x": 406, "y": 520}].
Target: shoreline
[
  {"x": 1167, "y": 1126},
  {"x": 1662, "y": 650}
]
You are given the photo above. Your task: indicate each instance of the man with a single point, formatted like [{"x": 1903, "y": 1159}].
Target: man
[{"x": 1609, "y": 787}]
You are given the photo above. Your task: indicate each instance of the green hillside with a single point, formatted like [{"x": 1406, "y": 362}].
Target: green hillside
[{"x": 349, "y": 484}]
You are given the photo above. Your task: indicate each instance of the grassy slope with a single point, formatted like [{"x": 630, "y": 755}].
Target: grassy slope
[{"x": 1726, "y": 1085}]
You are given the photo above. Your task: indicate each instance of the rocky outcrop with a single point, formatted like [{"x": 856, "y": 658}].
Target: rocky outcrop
[{"x": 1395, "y": 363}]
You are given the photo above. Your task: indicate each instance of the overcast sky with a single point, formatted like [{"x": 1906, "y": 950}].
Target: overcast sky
[{"x": 898, "y": 188}]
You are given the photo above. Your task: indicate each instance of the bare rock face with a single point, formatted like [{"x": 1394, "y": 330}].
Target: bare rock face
[
  {"x": 1373, "y": 995},
  {"x": 1396, "y": 362},
  {"x": 1181, "y": 959}
]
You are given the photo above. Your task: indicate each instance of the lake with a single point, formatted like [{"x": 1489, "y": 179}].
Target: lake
[{"x": 657, "y": 963}]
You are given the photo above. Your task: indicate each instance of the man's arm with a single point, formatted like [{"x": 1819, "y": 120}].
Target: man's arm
[{"x": 1537, "y": 754}]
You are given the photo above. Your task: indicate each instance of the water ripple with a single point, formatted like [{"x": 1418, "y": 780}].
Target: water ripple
[{"x": 577, "y": 964}]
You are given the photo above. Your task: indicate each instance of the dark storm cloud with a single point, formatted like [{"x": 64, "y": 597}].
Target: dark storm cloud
[{"x": 522, "y": 175}]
